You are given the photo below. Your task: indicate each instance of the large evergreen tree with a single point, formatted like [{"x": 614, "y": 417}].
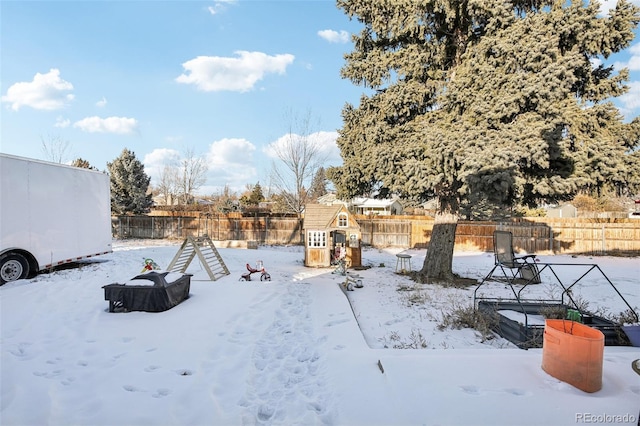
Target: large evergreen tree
[
  {"x": 129, "y": 185},
  {"x": 487, "y": 101}
]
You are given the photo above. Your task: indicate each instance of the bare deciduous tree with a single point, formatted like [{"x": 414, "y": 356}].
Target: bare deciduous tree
[
  {"x": 300, "y": 157},
  {"x": 194, "y": 174},
  {"x": 180, "y": 179},
  {"x": 55, "y": 148},
  {"x": 168, "y": 184}
]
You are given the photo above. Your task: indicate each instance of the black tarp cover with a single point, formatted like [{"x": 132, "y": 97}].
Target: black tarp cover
[{"x": 158, "y": 297}]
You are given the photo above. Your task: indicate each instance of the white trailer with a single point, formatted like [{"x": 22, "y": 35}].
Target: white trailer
[{"x": 50, "y": 214}]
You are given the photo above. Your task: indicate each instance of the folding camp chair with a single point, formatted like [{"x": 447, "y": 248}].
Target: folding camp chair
[{"x": 522, "y": 267}]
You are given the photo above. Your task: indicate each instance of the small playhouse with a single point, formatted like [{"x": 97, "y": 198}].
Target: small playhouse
[{"x": 331, "y": 233}]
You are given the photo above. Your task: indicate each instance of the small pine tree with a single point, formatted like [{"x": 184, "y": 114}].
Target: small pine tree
[
  {"x": 253, "y": 196},
  {"x": 318, "y": 185},
  {"x": 256, "y": 196},
  {"x": 129, "y": 185}
]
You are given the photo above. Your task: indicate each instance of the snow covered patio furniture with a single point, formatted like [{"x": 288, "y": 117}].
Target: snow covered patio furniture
[
  {"x": 513, "y": 267},
  {"x": 150, "y": 292}
]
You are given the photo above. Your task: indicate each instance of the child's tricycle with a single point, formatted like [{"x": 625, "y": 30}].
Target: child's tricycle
[{"x": 264, "y": 275}]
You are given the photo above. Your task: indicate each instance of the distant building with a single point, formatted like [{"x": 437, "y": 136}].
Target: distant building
[
  {"x": 365, "y": 206},
  {"x": 330, "y": 199},
  {"x": 372, "y": 206},
  {"x": 635, "y": 214},
  {"x": 566, "y": 210}
]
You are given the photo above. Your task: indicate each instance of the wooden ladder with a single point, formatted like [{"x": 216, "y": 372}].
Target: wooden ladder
[{"x": 205, "y": 250}]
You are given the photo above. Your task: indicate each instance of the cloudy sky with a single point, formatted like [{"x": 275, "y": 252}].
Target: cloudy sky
[{"x": 226, "y": 80}]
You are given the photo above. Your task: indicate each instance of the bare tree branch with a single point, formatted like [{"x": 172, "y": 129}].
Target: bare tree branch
[
  {"x": 194, "y": 174},
  {"x": 300, "y": 157},
  {"x": 168, "y": 185},
  {"x": 55, "y": 149}
]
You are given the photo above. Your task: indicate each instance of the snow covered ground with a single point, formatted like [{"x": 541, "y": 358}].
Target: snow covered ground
[{"x": 292, "y": 351}]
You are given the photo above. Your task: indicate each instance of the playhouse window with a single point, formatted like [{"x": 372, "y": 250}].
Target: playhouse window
[
  {"x": 343, "y": 220},
  {"x": 317, "y": 238}
]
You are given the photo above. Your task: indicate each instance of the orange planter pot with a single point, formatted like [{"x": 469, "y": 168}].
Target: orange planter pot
[{"x": 573, "y": 352}]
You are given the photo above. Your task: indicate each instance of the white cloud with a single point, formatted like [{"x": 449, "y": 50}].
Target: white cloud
[
  {"x": 219, "y": 6},
  {"x": 46, "y": 91},
  {"x": 230, "y": 162},
  {"x": 606, "y": 5},
  {"x": 102, "y": 102},
  {"x": 162, "y": 156},
  {"x": 62, "y": 122},
  {"x": 634, "y": 61},
  {"x": 215, "y": 73},
  {"x": 631, "y": 99},
  {"x": 155, "y": 161},
  {"x": 334, "y": 36},
  {"x": 326, "y": 142},
  {"x": 230, "y": 151},
  {"x": 119, "y": 125}
]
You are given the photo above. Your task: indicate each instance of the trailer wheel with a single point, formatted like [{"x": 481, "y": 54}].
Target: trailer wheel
[{"x": 13, "y": 266}]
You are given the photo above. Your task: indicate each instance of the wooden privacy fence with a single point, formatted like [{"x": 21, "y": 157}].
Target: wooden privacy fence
[
  {"x": 533, "y": 235},
  {"x": 266, "y": 230},
  {"x": 543, "y": 235}
]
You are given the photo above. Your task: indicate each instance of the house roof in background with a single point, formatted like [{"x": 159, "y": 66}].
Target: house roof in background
[{"x": 372, "y": 202}]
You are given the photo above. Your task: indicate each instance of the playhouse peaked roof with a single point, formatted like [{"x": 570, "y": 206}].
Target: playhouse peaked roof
[{"x": 320, "y": 216}]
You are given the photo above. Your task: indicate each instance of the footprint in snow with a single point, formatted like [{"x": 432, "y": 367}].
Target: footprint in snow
[
  {"x": 287, "y": 367},
  {"x": 48, "y": 375},
  {"x": 517, "y": 392},
  {"x": 336, "y": 322},
  {"x": 68, "y": 381},
  {"x": 160, "y": 393},
  {"x": 475, "y": 390},
  {"x": 472, "y": 390}
]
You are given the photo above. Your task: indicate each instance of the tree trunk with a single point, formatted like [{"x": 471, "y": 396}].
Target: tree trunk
[{"x": 438, "y": 263}]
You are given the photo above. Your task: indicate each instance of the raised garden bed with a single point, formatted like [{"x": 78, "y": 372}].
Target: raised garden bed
[{"x": 522, "y": 323}]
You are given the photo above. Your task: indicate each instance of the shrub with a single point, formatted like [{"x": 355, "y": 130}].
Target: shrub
[
  {"x": 468, "y": 317},
  {"x": 416, "y": 341}
]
